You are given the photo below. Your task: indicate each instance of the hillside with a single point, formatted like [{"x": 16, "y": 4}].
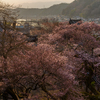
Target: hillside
[
  {"x": 83, "y": 8},
  {"x": 39, "y": 4},
  {"x": 53, "y": 10}
]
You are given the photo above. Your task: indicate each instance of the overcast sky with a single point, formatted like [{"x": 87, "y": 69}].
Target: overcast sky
[
  {"x": 21, "y": 2},
  {"x": 29, "y": 1}
]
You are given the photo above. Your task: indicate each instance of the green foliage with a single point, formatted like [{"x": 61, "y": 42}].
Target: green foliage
[
  {"x": 92, "y": 96},
  {"x": 72, "y": 12},
  {"x": 93, "y": 83}
]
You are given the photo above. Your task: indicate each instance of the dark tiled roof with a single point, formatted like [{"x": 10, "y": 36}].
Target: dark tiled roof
[
  {"x": 73, "y": 21},
  {"x": 32, "y": 38}
]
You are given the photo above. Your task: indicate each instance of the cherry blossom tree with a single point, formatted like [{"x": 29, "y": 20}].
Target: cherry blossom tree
[{"x": 79, "y": 42}]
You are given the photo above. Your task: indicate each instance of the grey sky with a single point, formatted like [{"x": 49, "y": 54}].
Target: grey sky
[
  {"x": 29, "y": 1},
  {"x": 37, "y": 3}
]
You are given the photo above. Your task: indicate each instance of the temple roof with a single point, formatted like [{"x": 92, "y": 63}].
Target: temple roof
[{"x": 73, "y": 21}]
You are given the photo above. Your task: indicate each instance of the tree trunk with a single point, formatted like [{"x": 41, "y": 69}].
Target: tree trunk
[
  {"x": 45, "y": 90},
  {"x": 10, "y": 91}
]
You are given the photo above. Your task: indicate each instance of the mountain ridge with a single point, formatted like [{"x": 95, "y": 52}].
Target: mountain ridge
[
  {"x": 53, "y": 10},
  {"x": 41, "y": 4},
  {"x": 83, "y": 8}
]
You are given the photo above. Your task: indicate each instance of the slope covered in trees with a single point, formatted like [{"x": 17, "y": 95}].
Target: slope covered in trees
[
  {"x": 83, "y": 8},
  {"x": 53, "y": 10}
]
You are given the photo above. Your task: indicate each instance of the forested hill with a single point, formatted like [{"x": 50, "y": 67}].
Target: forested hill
[
  {"x": 53, "y": 10},
  {"x": 83, "y": 8}
]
